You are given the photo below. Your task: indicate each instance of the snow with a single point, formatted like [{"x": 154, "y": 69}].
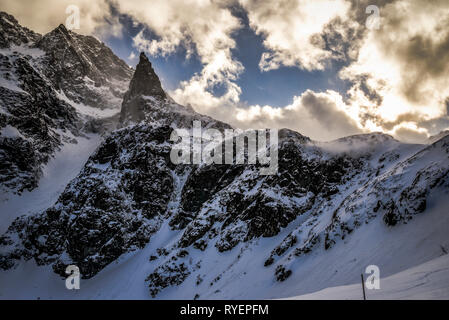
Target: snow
[
  {"x": 62, "y": 168},
  {"x": 10, "y": 84},
  {"x": 437, "y": 137},
  {"x": 8, "y": 78},
  {"x": 179, "y": 181},
  {"x": 429, "y": 280},
  {"x": 411, "y": 267},
  {"x": 10, "y": 132},
  {"x": 23, "y": 49},
  {"x": 123, "y": 279},
  {"x": 88, "y": 110},
  {"x": 409, "y": 255},
  {"x": 114, "y": 103}
]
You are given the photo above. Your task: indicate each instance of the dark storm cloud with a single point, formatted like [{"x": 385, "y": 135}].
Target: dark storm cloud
[
  {"x": 326, "y": 112},
  {"x": 424, "y": 58}
]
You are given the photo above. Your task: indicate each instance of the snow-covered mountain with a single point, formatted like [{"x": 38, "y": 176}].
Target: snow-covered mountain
[
  {"x": 438, "y": 136},
  {"x": 139, "y": 226},
  {"x": 53, "y": 89}
]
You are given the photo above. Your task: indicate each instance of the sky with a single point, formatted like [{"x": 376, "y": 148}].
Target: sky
[{"x": 325, "y": 68}]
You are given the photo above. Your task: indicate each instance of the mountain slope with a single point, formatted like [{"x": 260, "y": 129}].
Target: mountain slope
[
  {"x": 424, "y": 282},
  {"x": 85, "y": 69},
  {"x": 112, "y": 214}
]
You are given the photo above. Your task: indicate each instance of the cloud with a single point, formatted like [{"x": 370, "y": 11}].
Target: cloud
[
  {"x": 44, "y": 15},
  {"x": 400, "y": 74},
  {"x": 322, "y": 116},
  {"x": 210, "y": 36},
  {"x": 204, "y": 28},
  {"x": 291, "y": 30},
  {"x": 409, "y": 132},
  {"x": 329, "y": 110}
]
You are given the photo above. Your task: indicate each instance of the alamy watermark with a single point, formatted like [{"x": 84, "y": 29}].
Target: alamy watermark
[
  {"x": 373, "y": 21},
  {"x": 73, "y": 280},
  {"x": 372, "y": 282},
  {"x": 73, "y": 20},
  {"x": 212, "y": 146}
]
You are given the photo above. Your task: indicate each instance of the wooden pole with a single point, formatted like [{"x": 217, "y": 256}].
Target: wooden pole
[{"x": 363, "y": 287}]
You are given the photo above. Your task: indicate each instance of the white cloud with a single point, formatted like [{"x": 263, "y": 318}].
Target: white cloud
[
  {"x": 289, "y": 29},
  {"x": 322, "y": 116},
  {"x": 210, "y": 36},
  {"x": 294, "y": 33},
  {"x": 405, "y": 65}
]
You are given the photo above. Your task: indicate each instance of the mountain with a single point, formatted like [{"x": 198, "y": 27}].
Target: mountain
[
  {"x": 438, "y": 136},
  {"x": 144, "y": 85},
  {"x": 140, "y": 226},
  {"x": 53, "y": 89},
  {"x": 85, "y": 69}
]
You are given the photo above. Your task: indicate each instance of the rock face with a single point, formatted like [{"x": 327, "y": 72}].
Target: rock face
[
  {"x": 105, "y": 211},
  {"x": 145, "y": 82},
  {"x": 85, "y": 69},
  {"x": 43, "y": 81},
  {"x": 129, "y": 189},
  {"x": 144, "y": 85},
  {"x": 146, "y": 101}
]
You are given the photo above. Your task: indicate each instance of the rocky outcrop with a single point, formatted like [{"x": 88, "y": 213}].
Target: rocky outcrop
[
  {"x": 113, "y": 206},
  {"x": 145, "y": 82},
  {"x": 40, "y": 122}
]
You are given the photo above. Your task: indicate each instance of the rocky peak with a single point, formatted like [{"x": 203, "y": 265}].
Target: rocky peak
[
  {"x": 145, "y": 88},
  {"x": 84, "y": 68},
  {"x": 62, "y": 28},
  {"x": 145, "y": 81},
  {"x": 43, "y": 81}
]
